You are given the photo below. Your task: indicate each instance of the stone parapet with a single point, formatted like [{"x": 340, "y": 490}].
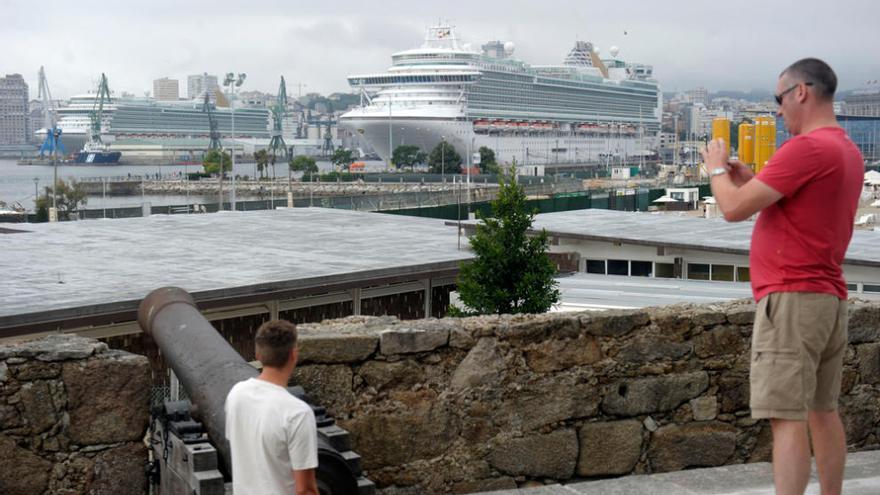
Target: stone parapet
[
  {"x": 489, "y": 402},
  {"x": 73, "y": 414}
]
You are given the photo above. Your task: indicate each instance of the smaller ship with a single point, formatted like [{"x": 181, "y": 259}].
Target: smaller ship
[
  {"x": 95, "y": 150},
  {"x": 99, "y": 155}
]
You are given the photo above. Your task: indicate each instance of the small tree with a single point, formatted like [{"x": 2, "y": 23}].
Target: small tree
[
  {"x": 211, "y": 162},
  {"x": 512, "y": 272},
  {"x": 407, "y": 155},
  {"x": 487, "y": 161},
  {"x": 342, "y": 158},
  {"x": 262, "y": 159},
  {"x": 304, "y": 164},
  {"x": 444, "y": 158},
  {"x": 70, "y": 196}
]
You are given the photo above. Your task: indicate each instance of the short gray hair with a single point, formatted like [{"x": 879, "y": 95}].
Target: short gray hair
[{"x": 816, "y": 72}]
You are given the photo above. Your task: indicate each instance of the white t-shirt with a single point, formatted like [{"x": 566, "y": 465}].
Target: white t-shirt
[{"x": 270, "y": 433}]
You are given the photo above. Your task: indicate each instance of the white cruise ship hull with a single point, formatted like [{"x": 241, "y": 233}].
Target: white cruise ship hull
[{"x": 538, "y": 148}]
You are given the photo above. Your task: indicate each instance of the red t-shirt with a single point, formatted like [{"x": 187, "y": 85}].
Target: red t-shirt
[{"x": 799, "y": 242}]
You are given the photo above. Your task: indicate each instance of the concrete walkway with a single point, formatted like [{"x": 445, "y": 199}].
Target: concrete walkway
[{"x": 862, "y": 478}]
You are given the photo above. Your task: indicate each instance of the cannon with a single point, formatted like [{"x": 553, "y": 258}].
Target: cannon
[{"x": 190, "y": 453}]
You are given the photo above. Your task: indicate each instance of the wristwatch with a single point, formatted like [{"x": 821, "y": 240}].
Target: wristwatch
[{"x": 717, "y": 171}]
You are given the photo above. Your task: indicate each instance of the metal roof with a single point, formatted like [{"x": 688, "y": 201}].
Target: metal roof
[
  {"x": 102, "y": 265},
  {"x": 584, "y": 291},
  {"x": 653, "y": 229}
]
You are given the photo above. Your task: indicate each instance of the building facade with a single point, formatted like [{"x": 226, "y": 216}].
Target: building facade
[
  {"x": 165, "y": 89},
  {"x": 14, "y": 111},
  {"x": 864, "y": 102},
  {"x": 698, "y": 95},
  {"x": 197, "y": 84}
]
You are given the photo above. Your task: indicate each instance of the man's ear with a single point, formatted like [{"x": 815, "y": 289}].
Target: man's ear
[{"x": 294, "y": 354}]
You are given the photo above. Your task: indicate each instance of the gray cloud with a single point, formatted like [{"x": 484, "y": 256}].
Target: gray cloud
[{"x": 733, "y": 45}]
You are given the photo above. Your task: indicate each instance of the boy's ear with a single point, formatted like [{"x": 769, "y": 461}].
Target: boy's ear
[{"x": 294, "y": 354}]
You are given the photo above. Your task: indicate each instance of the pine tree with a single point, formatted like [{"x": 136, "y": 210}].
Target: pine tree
[{"x": 512, "y": 272}]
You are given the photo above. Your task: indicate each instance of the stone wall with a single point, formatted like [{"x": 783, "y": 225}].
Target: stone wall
[
  {"x": 464, "y": 405},
  {"x": 73, "y": 414}
]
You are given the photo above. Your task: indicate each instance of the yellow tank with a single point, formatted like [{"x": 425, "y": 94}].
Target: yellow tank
[
  {"x": 721, "y": 129},
  {"x": 746, "y": 145},
  {"x": 765, "y": 141}
]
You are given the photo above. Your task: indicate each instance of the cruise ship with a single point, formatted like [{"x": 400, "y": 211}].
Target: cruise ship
[
  {"x": 585, "y": 110},
  {"x": 131, "y": 118}
]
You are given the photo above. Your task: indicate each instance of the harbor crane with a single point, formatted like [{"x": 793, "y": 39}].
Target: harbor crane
[
  {"x": 52, "y": 144},
  {"x": 279, "y": 110},
  {"x": 96, "y": 115},
  {"x": 214, "y": 131}
]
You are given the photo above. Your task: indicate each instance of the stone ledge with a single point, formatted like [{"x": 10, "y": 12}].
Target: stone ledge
[{"x": 51, "y": 348}]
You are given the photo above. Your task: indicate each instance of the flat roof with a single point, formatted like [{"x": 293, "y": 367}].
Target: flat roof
[
  {"x": 667, "y": 230},
  {"x": 60, "y": 270},
  {"x": 583, "y": 291}
]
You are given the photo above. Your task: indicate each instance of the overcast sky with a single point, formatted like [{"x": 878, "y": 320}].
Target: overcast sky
[{"x": 739, "y": 44}]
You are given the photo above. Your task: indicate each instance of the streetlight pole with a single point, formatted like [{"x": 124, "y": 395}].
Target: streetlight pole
[
  {"x": 36, "y": 194},
  {"x": 390, "y": 133},
  {"x": 443, "y": 158},
  {"x": 233, "y": 82},
  {"x": 53, "y": 213}
]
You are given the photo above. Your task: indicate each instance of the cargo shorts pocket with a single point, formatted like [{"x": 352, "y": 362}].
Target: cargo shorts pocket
[{"x": 776, "y": 380}]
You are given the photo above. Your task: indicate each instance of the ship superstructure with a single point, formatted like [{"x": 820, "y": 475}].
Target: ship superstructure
[
  {"x": 580, "y": 111},
  {"x": 132, "y": 117}
]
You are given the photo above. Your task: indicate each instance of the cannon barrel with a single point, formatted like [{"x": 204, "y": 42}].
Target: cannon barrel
[{"x": 206, "y": 365}]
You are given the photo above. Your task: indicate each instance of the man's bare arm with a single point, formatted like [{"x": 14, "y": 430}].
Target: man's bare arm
[
  {"x": 737, "y": 193},
  {"x": 305, "y": 482}
]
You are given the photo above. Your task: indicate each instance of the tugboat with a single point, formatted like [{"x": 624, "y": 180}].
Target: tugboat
[
  {"x": 95, "y": 151},
  {"x": 97, "y": 154}
]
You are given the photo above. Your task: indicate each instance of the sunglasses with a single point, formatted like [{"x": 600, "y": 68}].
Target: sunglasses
[{"x": 780, "y": 96}]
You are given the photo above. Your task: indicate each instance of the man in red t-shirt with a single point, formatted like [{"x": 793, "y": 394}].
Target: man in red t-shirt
[{"x": 807, "y": 195}]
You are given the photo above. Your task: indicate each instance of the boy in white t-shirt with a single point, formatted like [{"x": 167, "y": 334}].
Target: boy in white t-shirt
[{"x": 272, "y": 434}]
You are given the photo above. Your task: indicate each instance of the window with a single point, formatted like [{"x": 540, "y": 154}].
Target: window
[
  {"x": 870, "y": 288},
  {"x": 852, "y": 287},
  {"x": 640, "y": 268},
  {"x": 742, "y": 274},
  {"x": 698, "y": 271},
  {"x": 618, "y": 267},
  {"x": 664, "y": 270},
  {"x": 596, "y": 266},
  {"x": 722, "y": 273}
]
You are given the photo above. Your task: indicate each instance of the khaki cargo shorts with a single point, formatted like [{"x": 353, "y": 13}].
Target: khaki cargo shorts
[{"x": 798, "y": 344}]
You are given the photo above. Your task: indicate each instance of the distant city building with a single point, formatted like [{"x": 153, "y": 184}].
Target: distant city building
[
  {"x": 197, "y": 84},
  {"x": 698, "y": 95},
  {"x": 166, "y": 89},
  {"x": 667, "y": 139},
  {"x": 14, "y": 111},
  {"x": 35, "y": 112},
  {"x": 864, "y": 102},
  {"x": 255, "y": 99}
]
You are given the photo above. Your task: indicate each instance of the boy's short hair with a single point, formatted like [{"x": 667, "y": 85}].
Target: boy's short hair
[{"x": 275, "y": 339}]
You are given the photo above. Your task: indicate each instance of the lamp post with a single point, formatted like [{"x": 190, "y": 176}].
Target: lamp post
[
  {"x": 443, "y": 158},
  {"x": 390, "y": 134},
  {"x": 36, "y": 194},
  {"x": 233, "y": 82}
]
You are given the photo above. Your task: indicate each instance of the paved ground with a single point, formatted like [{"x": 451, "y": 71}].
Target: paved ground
[{"x": 862, "y": 478}]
